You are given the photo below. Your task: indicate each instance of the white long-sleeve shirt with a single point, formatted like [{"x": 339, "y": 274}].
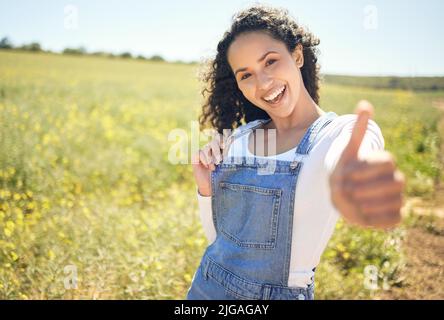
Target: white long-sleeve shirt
[{"x": 315, "y": 216}]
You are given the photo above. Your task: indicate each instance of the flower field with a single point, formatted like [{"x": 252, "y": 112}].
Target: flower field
[{"x": 91, "y": 207}]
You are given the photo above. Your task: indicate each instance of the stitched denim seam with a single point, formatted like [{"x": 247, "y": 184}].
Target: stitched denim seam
[
  {"x": 255, "y": 189},
  {"x": 293, "y": 292},
  {"x": 237, "y": 278},
  {"x": 238, "y": 295}
]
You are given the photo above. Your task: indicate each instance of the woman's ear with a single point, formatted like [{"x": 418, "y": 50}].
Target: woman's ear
[{"x": 298, "y": 55}]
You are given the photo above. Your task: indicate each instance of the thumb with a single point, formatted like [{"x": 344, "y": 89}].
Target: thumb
[{"x": 364, "y": 111}]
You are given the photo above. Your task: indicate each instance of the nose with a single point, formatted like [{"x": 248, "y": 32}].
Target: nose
[{"x": 263, "y": 82}]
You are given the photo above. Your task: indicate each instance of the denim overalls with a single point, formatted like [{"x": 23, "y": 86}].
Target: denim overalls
[{"x": 253, "y": 206}]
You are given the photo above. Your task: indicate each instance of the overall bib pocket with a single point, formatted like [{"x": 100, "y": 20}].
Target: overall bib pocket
[{"x": 249, "y": 215}]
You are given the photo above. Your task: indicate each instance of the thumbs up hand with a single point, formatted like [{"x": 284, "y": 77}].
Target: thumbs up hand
[{"x": 367, "y": 191}]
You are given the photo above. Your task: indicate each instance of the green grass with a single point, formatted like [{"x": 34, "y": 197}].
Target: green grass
[
  {"x": 405, "y": 83},
  {"x": 85, "y": 179}
]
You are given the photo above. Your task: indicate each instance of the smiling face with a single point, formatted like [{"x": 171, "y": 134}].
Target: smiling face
[{"x": 266, "y": 73}]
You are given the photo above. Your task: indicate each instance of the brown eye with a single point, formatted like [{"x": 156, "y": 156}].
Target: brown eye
[
  {"x": 271, "y": 60},
  {"x": 244, "y": 76}
]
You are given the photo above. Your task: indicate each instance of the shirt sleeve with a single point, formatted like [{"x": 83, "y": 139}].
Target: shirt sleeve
[
  {"x": 373, "y": 140},
  {"x": 206, "y": 216}
]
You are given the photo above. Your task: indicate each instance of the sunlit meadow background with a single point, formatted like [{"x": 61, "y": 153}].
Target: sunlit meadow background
[{"x": 87, "y": 191}]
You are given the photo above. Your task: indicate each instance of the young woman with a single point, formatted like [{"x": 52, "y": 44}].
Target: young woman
[{"x": 269, "y": 215}]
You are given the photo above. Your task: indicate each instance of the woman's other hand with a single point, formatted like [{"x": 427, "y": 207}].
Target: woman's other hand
[{"x": 205, "y": 160}]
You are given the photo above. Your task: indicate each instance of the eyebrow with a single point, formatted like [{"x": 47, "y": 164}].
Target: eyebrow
[{"x": 260, "y": 59}]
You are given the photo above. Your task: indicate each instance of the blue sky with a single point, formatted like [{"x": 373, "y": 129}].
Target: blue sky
[{"x": 358, "y": 37}]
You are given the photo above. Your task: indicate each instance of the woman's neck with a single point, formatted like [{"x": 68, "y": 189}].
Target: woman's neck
[{"x": 304, "y": 114}]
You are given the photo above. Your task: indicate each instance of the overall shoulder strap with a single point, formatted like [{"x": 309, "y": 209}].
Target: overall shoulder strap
[
  {"x": 242, "y": 130},
  {"x": 312, "y": 131}
]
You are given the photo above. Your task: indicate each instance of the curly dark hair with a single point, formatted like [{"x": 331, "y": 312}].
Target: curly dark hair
[{"x": 225, "y": 106}]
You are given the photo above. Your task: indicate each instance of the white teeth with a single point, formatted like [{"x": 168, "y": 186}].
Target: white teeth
[{"x": 274, "y": 94}]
